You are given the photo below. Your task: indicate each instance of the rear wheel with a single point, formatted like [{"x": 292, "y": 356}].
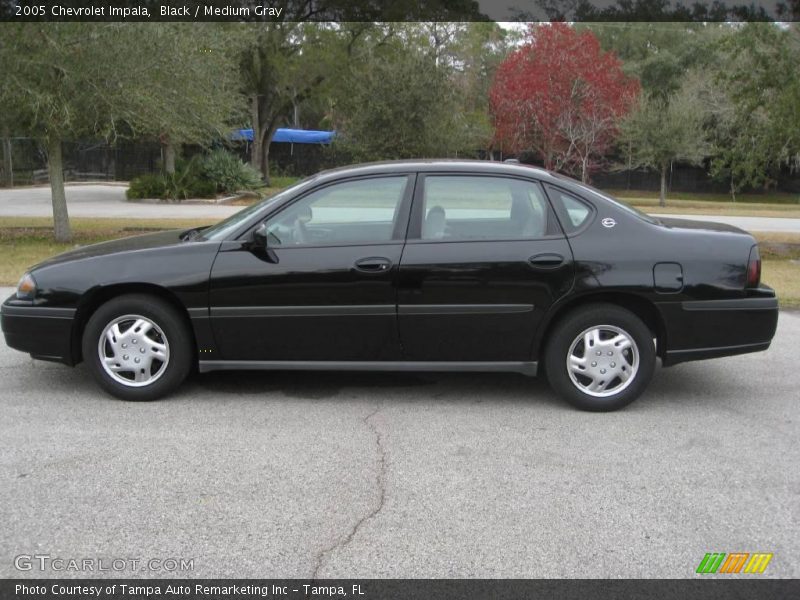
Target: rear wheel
[
  {"x": 137, "y": 347},
  {"x": 600, "y": 357}
]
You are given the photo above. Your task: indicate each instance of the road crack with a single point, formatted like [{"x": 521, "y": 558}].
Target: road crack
[{"x": 380, "y": 483}]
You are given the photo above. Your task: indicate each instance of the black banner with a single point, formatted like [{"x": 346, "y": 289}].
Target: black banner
[
  {"x": 397, "y": 10},
  {"x": 406, "y": 589}
]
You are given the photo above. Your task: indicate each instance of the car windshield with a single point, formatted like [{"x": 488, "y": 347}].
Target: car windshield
[{"x": 227, "y": 226}]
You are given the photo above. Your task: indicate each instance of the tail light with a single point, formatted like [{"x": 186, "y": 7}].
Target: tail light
[{"x": 754, "y": 268}]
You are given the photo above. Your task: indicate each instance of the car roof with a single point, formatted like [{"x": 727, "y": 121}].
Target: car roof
[{"x": 439, "y": 165}]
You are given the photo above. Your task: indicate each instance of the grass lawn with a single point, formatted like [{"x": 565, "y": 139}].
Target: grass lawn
[
  {"x": 24, "y": 241},
  {"x": 746, "y": 205},
  {"x": 762, "y": 198},
  {"x": 784, "y": 276},
  {"x": 701, "y": 207}
]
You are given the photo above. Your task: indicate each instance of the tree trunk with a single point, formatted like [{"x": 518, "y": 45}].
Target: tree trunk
[
  {"x": 630, "y": 163},
  {"x": 255, "y": 148},
  {"x": 585, "y": 170},
  {"x": 265, "y": 162},
  {"x": 55, "y": 169},
  {"x": 733, "y": 189},
  {"x": 8, "y": 163},
  {"x": 168, "y": 147},
  {"x": 267, "y": 140},
  {"x": 662, "y": 198}
]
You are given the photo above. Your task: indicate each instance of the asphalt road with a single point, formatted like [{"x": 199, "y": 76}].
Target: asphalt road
[
  {"x": 404, "y": 475},
  {"x": 102, "y": 200}
]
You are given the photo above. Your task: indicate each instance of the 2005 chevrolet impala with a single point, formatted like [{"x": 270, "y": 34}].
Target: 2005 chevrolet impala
[{"x": 414, "y": 266}]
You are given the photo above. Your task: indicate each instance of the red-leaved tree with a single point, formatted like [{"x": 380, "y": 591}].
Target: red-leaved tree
[{"x": 561, "y": 97}]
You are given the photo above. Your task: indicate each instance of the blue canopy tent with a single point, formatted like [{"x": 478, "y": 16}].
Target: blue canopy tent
[{"x": 292, "y": 136}]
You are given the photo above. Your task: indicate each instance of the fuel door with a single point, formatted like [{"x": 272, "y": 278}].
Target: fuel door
[{"x": 668, "y": 278}]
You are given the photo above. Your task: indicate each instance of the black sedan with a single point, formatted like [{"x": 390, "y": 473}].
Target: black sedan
[{"x": 409, "y": 266}]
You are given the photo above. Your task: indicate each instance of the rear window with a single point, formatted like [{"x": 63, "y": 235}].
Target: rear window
[
  {"x": 474, "y": 207},
  {"x": 593, "y": 191},
  {"x": 572, "y": 211}
]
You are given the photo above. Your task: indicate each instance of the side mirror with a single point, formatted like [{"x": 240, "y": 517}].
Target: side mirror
[
  {"x": 260, "y": 245},
  {"x": 260, "y": 236}
]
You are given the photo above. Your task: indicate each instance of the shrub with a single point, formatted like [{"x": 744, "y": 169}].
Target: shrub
[
  {"x": 147, "y": 186},
  {"x": 198, "y": 177},
  {"x": 229, "y": 174},
  {"x": 186, "y": 182},
  {"x": 185, "y": 185}
]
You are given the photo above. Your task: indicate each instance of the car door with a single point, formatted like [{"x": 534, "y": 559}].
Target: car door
[
  {"x": 484, "y": 260},
  {"x": 324, "y": 288}
]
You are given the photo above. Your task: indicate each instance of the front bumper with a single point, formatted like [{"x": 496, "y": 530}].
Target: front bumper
[
  {"x": 43, "y": 332},
  {"x": 697, "y": 330}
]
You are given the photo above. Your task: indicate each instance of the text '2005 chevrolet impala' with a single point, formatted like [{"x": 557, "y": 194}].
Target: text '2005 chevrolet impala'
[{"x": 413, "y": 266}]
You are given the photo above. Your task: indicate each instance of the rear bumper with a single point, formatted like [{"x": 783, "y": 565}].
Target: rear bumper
[
  {"x": 697, "y": 330},
  {"x": 44, "y": 333}
]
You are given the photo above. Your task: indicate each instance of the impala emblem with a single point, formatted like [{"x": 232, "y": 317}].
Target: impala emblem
[{"x": 608, "y": 222}]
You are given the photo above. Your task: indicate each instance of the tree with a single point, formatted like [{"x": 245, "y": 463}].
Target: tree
[
  {"x": 654, "y": 11},
  {"x": 287, "y": 64},
  {"x": 660, "y": 54},
  {"x": 400, "y": 105},
  {"x": 756, "y": 130},
  {"x": 69, "y": 80},
  {"x": 282, "y": 66},
  {"x": 474, "y": 53},
  {"x": 196, "y": 67},
  {"x": 7, "y": 166},
  {"x": 663, "y": 130},
  {"x": 561, "y": 97}
]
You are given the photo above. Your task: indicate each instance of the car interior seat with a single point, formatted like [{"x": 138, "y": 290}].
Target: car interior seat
[{"x": 435, "y": 224}]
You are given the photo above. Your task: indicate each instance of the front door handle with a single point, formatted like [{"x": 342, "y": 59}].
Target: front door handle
[
  {"x": 548, "y": 260},
  {"x": 373, "y": 264}
]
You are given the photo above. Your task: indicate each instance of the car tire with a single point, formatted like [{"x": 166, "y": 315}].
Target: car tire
[
  {"x": 600, "y": 357},
  {"x": 138, "y": 347}
]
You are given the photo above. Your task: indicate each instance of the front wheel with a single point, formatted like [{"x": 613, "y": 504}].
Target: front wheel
[
  {"x": 137, "y": 347},
  {"x": 600, "y": 357}
]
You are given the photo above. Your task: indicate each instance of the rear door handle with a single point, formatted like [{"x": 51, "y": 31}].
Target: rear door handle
[
  {"x": 373, "y": 264},
  {"x": 547, "y": 260}
]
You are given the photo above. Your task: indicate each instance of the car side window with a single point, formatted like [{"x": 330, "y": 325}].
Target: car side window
[
  {"x": 468, "y": 207},
  {"x": 572, "y": 211},
  {"x": 352, "y": 212}
]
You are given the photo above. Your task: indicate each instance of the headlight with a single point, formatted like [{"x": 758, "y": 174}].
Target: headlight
[{"x": 26, "y": 288}]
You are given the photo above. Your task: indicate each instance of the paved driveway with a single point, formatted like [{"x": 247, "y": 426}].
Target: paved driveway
[
  {"x": 404, "y": 475},
  {"x": 99, "y": 200}
]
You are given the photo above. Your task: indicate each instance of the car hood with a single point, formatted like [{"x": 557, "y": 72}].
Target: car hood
[
  {"x": 702, "y": 225},
  {"x": 137, "y": 242}
]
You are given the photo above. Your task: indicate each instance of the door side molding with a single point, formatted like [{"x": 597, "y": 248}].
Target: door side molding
[
  {"x": 462, "y": 309},
  {"x": 526, "y": 368},
  {"x": 303, "y": 311}
]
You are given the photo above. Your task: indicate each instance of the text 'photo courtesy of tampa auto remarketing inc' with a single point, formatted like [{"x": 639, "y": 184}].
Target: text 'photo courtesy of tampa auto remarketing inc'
[{"x": 382, "y": 299}]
